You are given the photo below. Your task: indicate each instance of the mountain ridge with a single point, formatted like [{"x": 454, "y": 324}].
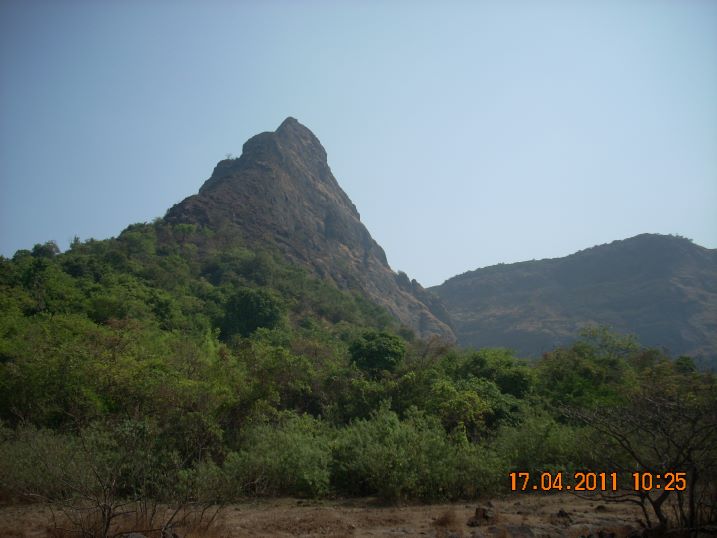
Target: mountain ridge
[
  {"x": 662, "y": 288},
  {"x": 577, "y": 252}
]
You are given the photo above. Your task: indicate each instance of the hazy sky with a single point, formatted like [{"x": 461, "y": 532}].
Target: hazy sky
[{"x": 466, "y": 133}]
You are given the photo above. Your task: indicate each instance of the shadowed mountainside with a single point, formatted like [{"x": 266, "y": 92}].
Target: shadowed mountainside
[
  {"x": 661, "y": 288},
  {"x": 281, "y": 194}
]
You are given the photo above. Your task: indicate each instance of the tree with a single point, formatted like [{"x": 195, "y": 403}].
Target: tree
[
  {"x": 376, "y": 351},
  {"x": 667, "y": 424},
  {"x": 594, "y": 370},
  {"x": 248, "y": 309},
  {"x": 45, "y": 250}
]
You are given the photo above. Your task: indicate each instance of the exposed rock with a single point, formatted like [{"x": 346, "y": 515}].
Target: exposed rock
[
  {"x": 484, "y": 515},
  {"x": 561, "y": 517},
  {"x": 281, "y": 193}
]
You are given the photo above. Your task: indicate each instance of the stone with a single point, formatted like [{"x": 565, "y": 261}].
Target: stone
[{"x": 484, "y": 515}]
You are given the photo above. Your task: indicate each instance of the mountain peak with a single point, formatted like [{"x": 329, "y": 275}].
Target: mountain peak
[
  {"x": 299, "y": 140},
  {"x": 281, "y": 194},
  {"x": 289, "y": 124},
  {"x": 290, "y": 128}
]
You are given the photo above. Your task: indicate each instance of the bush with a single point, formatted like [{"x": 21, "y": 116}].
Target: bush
[
  {"x": 94, "y": 475},
  {"x": 540, "y": 443},
  {"x": 410, "y": 459},
  {"x": 35, "y": 464},
  {"x": 88, "y": 476},
  {"x": 291, "y": 458}
]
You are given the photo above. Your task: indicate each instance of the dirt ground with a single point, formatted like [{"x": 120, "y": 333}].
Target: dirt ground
[{"x": 518, "y": 515}]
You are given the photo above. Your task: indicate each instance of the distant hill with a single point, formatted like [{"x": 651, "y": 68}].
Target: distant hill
[
  {"x": 661, "y": 288},
  {"x": 281, "y": 194}
]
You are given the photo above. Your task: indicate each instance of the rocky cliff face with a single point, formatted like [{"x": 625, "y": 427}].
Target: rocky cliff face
[
  {"x": 281, "y": 192},
  {"x": 661, "y": 288}
]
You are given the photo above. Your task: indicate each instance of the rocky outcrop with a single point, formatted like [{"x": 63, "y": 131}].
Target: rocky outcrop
[{"x": 281, "y": 193}]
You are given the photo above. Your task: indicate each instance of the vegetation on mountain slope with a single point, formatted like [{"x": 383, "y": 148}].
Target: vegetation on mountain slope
[{"x": 172, "y": 364}]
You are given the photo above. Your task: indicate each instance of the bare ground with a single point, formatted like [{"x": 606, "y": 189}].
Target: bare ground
[{"x": 519, "y": 515}]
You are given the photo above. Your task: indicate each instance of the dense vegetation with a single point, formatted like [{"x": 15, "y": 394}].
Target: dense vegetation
[{"x": 171, "y": 364}]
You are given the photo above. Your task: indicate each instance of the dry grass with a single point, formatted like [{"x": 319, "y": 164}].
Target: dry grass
[
  {"x": 448, "y": 523},
  {"x": 286, "y": 518},
  {"x": 42, "y": 521},
  {"x": 449, "y": 518}
]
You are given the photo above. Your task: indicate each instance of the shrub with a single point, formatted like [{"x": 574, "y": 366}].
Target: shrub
[
  {"x": 290, "y": 458},
  {"x": 35, "y": 463},
  {"x": 410, "y": 459},
  {"x": 540, "y": 443},
  {"x": 93, "y": 476}
]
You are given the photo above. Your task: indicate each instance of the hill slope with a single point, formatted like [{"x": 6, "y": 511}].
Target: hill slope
[
  {"x": 281, "y": 193},
  {"x": 661, "y": 288}
]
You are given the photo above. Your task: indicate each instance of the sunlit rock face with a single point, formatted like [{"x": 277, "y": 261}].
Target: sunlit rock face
[{"x": 281, "y": 194}]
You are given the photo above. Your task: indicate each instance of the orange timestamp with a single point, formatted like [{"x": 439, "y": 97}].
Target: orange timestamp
[{"x": 590, "y": 481}]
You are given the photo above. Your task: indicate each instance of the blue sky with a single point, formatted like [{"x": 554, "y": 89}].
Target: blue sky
[{"x": 466, "y": 133}]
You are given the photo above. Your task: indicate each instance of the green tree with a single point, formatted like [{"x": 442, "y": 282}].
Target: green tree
[
  {"x": 45, "y": 250},
  {"x": 594, "y": 370},
  {"x": 248, "y": 309},
  {"x": 376, "y": 351}
]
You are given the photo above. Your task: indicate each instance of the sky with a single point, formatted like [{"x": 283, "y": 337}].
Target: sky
[{"x": 466, "y": 133}]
